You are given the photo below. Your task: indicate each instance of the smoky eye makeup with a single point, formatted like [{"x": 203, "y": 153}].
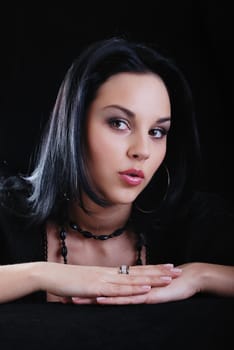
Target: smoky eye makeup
[
  {"x": 118, "y": 123},
  {"x": 158, "y": 133},
  {"x": 120, "y": 118},
  {"x": 116, "y": 118}
]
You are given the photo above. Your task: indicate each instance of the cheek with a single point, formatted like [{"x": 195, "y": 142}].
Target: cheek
[{"x": 103, "y": 149}]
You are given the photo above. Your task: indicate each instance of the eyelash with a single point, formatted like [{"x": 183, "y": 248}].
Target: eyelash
[
  {"x": 112, "y": 122},
  {"x": 161, "y": 130}
]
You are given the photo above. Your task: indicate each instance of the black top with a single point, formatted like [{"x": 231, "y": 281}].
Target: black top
[{"x": 205, "y": 234}]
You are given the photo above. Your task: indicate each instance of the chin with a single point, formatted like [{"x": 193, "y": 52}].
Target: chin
[
  {"x": 119, "y": 195},
  {"x": 124, "y": 199}
]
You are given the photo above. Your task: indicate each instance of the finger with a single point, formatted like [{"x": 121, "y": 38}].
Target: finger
[
  {"x": 65, "y": 300},
  {"x": 144, "y": 269},
  {"x": 151, "y": 280},
  {"x": 115, "y": 290},
  {"x": 133, "y": 299},
  {"x": 155, "y": 270},
  {"x": 83, "y": 301}
]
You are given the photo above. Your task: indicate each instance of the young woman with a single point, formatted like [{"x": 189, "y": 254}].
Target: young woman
[{"x": 110, "y": 213}]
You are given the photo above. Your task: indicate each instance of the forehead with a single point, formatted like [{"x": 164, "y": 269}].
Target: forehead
[{"x": 134, "y": 91}]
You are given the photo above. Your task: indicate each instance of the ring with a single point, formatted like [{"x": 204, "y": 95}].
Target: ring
[{"x": 124, "y": 269}]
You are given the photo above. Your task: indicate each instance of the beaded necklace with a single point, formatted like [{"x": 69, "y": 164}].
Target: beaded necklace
[{"x": 63, "y": 235}]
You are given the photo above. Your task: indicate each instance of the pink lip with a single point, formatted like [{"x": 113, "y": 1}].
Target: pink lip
[{"x": 132, "y": 177}]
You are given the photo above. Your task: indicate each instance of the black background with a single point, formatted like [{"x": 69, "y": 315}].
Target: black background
[{"x": 39, "y": 43}]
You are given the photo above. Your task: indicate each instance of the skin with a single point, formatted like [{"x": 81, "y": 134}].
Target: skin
[
  {"x": 137, "y": 147},
  {"x": 124, "y": 130},
  {"x": 195, "y": 278},
  {"x": 128, "y": 110},
  {"x": 129, "y": 119},
  {"x": 129, "y": 144}
]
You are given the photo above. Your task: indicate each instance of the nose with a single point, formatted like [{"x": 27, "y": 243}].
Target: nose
[{"x": 139, "y": 148}]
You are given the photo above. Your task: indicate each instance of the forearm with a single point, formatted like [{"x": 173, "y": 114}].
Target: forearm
[
  {"x": 64, "y": 280},
  {"x": 217, "y": 279},
  {"x": 19, "y": 280}
]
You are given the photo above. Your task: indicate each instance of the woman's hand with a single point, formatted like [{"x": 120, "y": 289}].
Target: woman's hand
[
  {"x": 195, "y": 278},
  {"x": 83, "y": 282},
  {"x": 97, "y": 282}
]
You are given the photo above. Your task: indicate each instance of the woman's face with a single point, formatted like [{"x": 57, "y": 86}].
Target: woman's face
[{"x": 127, "y": 127}]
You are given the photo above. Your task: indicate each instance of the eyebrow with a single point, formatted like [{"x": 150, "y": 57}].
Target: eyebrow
[{"x": 131, "y": 114}]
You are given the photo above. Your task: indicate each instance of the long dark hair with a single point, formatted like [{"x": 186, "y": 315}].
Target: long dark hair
[{"x": 60, "y": 172}]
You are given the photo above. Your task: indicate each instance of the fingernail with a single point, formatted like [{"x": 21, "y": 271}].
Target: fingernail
[
  {"x": 165, "y": 278},
  {"x": 176, "y": 269},
  {"x": 169, "y": 265},
  {"x": 75, "y": 298},
  {"x": 146, "y": 287},
  {"x": 100, "y": 298}
]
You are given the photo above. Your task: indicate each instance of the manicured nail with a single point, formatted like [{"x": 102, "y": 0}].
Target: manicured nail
[
  {"x": 100, "y": 298},
  {"x": 146, "y": 287},
  {"x": 169, "y": 266},
  {"x": 165, "y": 278},
  {"x": 176, "y": 269}
]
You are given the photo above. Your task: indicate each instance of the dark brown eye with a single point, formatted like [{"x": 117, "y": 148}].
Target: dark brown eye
[
  {"x": 157, "y": 133},
  {"x": 118, "y": 124}
]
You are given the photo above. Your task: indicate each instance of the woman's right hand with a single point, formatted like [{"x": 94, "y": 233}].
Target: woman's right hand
[{"x": 87, "y": 282}]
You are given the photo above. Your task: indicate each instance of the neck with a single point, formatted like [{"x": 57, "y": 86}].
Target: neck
[{"x": 99, "y": 220}]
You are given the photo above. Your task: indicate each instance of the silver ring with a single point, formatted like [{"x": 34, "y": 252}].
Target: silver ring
[{"x": 124, "y": 269}]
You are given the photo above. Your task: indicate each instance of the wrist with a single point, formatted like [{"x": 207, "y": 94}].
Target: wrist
[
  {"x": 208, "y": 277},
  {"x": 217, "y": 279},
  {"x": 36, "y": 275},
  {"x": 202, "y": 276},
  {"x": 197, "y": 276}
]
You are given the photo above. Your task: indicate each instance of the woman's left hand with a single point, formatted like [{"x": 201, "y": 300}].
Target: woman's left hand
[{"x": 182, "y": 287}]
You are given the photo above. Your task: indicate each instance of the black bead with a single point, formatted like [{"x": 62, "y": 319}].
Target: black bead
[
  {"x": 102, "y": 237},
  {"x": 118, "y": 232},
  {"x": 64, "y": 251},
  {"x": 86, "y": 234},
  {"x": 63, "y": 234},
  {"x": 74, "y": 226},
  {"x": 140, "y": 243}
]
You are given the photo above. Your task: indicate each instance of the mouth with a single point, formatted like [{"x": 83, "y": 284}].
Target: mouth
[{"x": 132, "y": 177}]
